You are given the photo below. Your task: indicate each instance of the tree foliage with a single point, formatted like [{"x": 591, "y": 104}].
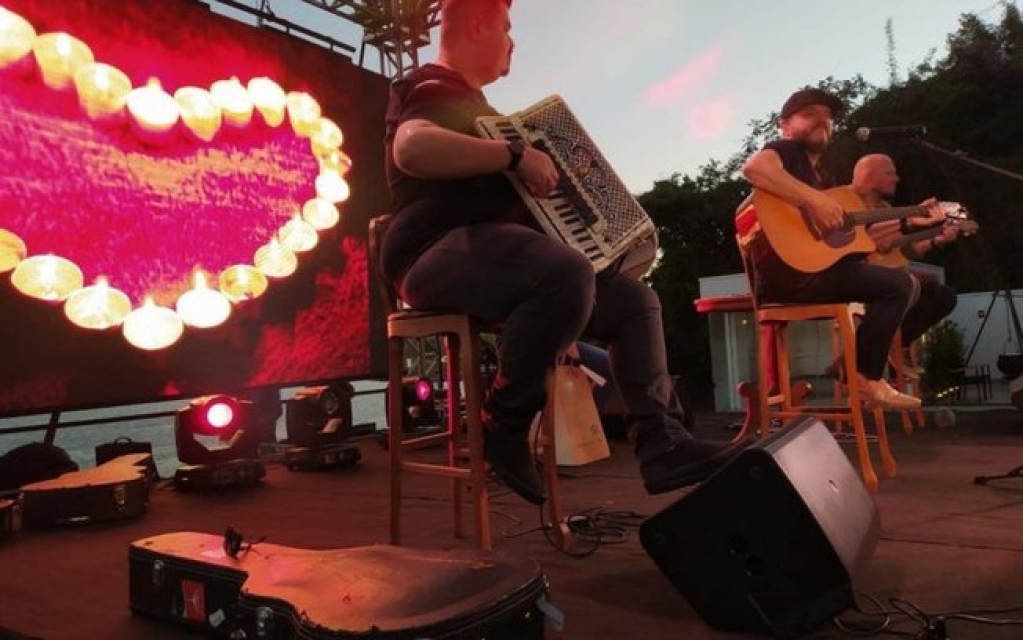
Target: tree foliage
[
  {"x": 943, "y": 356},
  {"x": 972, "y": 103},
  {"x": 694, "y": 221}
]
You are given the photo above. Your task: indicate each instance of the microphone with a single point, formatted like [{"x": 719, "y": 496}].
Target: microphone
[{"x": 912, "y": 130}]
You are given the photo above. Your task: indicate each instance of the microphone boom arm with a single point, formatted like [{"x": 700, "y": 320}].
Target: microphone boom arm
[{"x": 965, "y": 158}]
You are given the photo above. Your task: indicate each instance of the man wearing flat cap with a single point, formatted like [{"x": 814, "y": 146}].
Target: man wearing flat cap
[{"x": 790, "y": 169}]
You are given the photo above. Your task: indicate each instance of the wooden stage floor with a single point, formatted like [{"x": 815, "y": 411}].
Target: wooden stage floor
[{"x": 947, "y": 544}]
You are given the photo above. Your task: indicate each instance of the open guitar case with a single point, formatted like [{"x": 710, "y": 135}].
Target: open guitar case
[{"x": 272, "y": 592}]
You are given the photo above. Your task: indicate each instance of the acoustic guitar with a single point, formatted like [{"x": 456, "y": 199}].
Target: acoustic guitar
[
  {"x": 793, "y": 235},
  {"x": 896, "y": 259}
]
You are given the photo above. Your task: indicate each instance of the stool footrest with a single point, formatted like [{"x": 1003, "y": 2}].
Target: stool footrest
[
  {"x": 424, "y": 442},
  {"x": 443, "y": 470}
]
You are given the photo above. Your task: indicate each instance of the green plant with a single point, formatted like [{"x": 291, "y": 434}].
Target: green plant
[{"x": 942, "y": 353}]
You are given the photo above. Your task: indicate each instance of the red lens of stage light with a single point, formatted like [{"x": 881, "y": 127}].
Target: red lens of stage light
[
  {"x": 424, "y": 389},
  {"x": 226, "y": 424},
  {"x": 219, "y": 414}
]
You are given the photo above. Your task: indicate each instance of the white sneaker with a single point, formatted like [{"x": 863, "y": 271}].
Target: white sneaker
[{"x": 880, "y": 393}]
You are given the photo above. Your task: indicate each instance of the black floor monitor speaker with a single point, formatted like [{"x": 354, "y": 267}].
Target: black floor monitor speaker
[{"x": 772, "y": 542}]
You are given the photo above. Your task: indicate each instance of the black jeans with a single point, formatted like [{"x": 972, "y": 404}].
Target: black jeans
[
  {"x": 886, "y": 292},
  {"x": 936, "y": 301},
  {"x": 548, "y": 296}
]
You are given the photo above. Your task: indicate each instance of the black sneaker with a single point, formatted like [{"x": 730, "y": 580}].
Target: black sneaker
[
  {"x": 512, "y": 460},
  {"x": 688, "y": 462}
]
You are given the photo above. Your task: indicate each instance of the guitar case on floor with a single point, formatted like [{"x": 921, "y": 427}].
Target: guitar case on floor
[
  {"x": 381, "y": 592},
  {"x": 10, "y": 520},
  {"x": 114, "y": 490}
]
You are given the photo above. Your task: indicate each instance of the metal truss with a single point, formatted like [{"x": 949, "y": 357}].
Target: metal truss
[{"x": 397, "y": 29}]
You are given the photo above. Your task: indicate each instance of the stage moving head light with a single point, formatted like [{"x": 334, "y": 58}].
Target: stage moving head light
[
  {"x": 419, "y": 403},
  {"x": 227, "y": 419},
  {"x": 215, "y": 415},
  {"x": 320, "y": 415},
  {"x": 321, "y": 429}
]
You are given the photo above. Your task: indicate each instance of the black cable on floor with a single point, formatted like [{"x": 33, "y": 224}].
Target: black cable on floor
[
  {"x": 928, "y": 626},
  {"x": 595, "y": 527}
]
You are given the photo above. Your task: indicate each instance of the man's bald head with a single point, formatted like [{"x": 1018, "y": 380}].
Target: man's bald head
[
  {"x": 456, "y": 15},
  {"x": 475, "y": 39},
  {"x": 872, "y": 164},
  {"x": 876, "y": 173}
]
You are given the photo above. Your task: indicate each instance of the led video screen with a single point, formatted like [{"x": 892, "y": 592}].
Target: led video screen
[{"x": 156, "y": 212}]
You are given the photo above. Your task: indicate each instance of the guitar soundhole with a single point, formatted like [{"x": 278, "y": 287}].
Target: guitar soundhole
[{"x": 840, "y": 237}]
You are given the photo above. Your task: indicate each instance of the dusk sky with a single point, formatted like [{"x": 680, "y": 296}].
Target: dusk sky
[{"x": 665, "y": 86}]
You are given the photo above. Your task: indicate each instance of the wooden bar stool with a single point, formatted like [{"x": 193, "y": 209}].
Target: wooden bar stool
[
  {"x": 464, "y": 463},
  {"x": 906, "y": 384},
  {"x": 783, "y": 403},
  {"x": 749, "y": 391}
]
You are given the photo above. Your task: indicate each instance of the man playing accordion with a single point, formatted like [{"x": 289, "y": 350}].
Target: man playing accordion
[{"x": 462, "y": 241}]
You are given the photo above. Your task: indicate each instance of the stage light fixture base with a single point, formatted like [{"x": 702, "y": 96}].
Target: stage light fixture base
[
  {"x": 223, "y": 475},
  {"x": 322, "y": 457}
]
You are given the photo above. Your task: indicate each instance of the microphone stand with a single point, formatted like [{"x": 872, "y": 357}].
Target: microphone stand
[{"x": 959, "y": 155}]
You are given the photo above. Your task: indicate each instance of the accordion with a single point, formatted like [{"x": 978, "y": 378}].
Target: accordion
[{"x": 590, "y": 210}]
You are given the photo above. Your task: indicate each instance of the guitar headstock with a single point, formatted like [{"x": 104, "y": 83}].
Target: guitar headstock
[
  {"x": 957, "y": 216},
  {"x": 954, "y": 210}
]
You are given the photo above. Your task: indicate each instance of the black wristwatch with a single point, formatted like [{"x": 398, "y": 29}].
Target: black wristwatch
[{"x": 516, "y": 148}]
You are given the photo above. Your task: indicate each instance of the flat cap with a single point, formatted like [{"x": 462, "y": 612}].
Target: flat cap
[{"x": 806, "y": 97}]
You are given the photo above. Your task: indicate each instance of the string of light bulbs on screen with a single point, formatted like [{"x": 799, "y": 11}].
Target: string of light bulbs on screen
[{"x": 107, "y": 97}]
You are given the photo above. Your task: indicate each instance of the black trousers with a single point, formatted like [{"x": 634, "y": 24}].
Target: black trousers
[
  {"x": 886, "y": 292},
  {"x": 936, "y": 301},
  {"x": 548, "y": 296}
]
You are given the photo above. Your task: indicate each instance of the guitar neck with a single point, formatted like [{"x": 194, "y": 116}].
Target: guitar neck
[
  {"x": 917, "y": 236},
  {"x": 880, "y": 215}
]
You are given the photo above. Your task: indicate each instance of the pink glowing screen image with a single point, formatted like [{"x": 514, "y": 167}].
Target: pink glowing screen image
[{"x": 146, "y": 213}]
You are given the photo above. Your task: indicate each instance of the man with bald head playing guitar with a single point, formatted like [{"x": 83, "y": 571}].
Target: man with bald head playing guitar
[{"x": 874, "y": 180}]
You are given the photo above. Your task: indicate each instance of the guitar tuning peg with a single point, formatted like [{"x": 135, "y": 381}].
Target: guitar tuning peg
[{"x": 953, "y": 210}]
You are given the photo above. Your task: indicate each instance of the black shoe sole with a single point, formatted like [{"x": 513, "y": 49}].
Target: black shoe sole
[
  {"x": 528, "y": 491},
  {"x": 699, "y": 471},
  {"x": 523, "y": 490}
]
